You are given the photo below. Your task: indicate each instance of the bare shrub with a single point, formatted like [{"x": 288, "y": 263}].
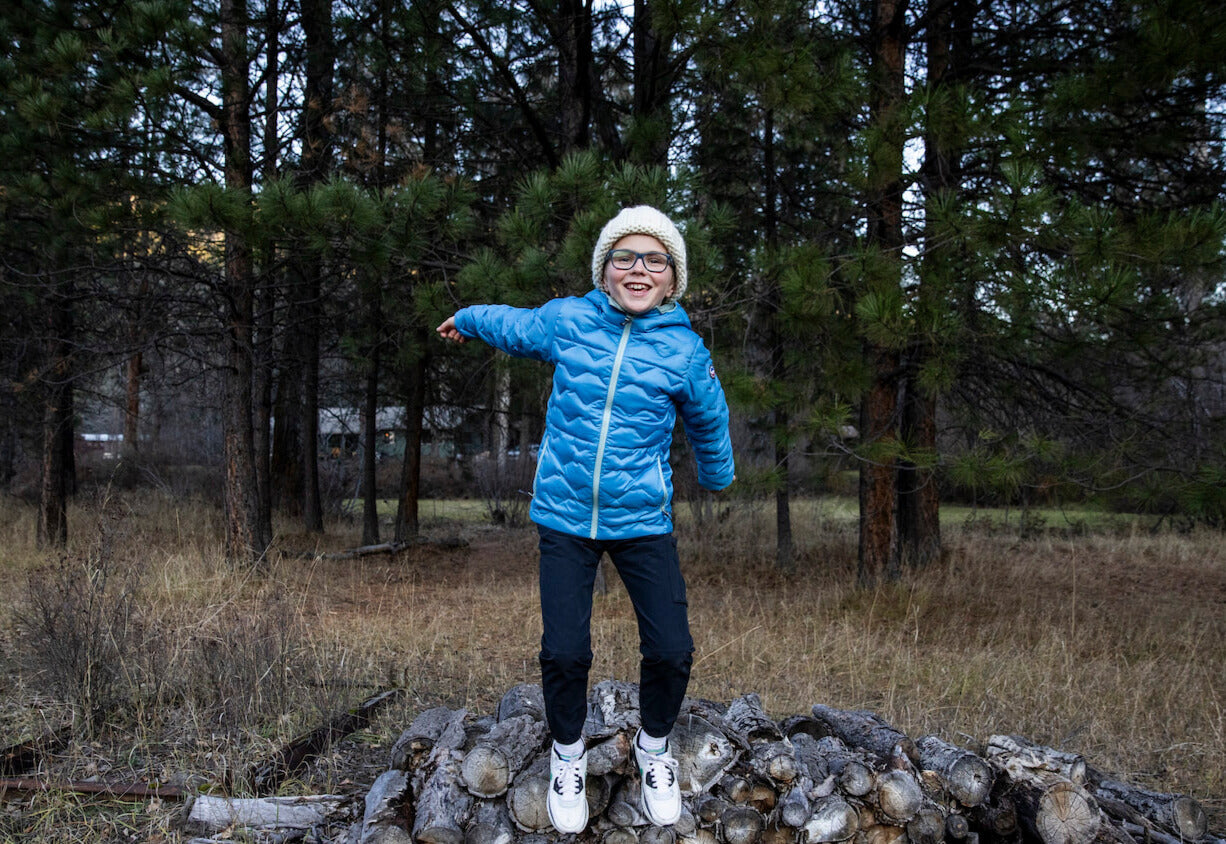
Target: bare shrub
[
  {"x": 254, "y": 664},
  {"x": 80, "y": 618},
  {"x": 506, "y": 488}
]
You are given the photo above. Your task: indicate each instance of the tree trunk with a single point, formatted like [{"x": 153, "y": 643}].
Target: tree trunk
[
  {"x": 407, "y": 523},
  {"x": 1014, "y": 753},
  {"x": 878, "y": 549},
  {"x": 131, "y": 416},
  {"x": 8, "y": 424},
  {"x": 919, "y": 506},
  {"x": 370, "y": 433},
  {"x": 654, "y": 75},
  {"x": 243, "y": 545},
  {"x": 575, "y": 84},
  {"x": 287, "y": 460},
  {"x": 919, "y": 526},
  {"x": 502, "y": 415},
  {"x": 266, "y": 294},
  {"x": 58, "y": 468},
  {"x": 526, "y": 798},
  {"x": 312, "y": 507},
  {"x": 316, "y": 164},
  {"x": 832, "y": 819}
]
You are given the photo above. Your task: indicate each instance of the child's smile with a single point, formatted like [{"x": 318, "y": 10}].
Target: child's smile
[{"x": 637, "y": 290}]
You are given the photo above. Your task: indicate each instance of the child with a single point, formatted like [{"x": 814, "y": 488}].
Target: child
[{"x": 626, "y": 361}]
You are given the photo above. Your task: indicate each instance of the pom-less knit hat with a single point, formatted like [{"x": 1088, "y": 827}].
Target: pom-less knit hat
[{"x": 641, "y": 219}]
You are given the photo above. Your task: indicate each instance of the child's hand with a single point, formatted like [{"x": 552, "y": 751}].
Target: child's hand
[{"x": 448, "y": 331}]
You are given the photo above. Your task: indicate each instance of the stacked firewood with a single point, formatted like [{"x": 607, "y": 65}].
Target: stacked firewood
[{"x": 828, "y": 776}]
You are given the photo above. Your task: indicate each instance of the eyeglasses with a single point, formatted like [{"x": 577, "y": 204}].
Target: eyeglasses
[{"x": 625, "y": 259}]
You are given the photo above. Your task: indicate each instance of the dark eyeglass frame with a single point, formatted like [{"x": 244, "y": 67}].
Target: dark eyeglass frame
[{"x": 639, "y": 256}]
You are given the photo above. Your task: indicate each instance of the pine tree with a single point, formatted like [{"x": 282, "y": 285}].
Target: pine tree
[
  {"x": 775, "y": 96},
  {"x": 76, "y": 81}
]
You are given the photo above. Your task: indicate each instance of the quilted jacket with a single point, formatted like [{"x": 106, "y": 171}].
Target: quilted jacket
[{"x": 618, "y": 383}]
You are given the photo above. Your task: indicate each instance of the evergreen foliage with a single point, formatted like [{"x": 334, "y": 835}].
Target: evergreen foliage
[{"x": 1049, "y": 310}]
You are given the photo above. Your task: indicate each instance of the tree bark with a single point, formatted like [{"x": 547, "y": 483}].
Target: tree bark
[
  {"x": 497, "y": 757},
  {"x": 316, "y": 164},
  {"x": 1177, "y": 814},
  {"x": 919, "y": 526},
  {"x": 966, "y": 777},
  {"x": 654, "y": 76},
  {"x": 243, "y": 545},
  {"x": 526, "y": 799},
  {"x": 370, "y": 433},
  {"x": 407, "y": 521},
  {"x": 443, "y": 805},
  {"x": 266, "y": 293},
  {"x": 287, "y": 461},
  {"x": 131, "y": 416},
  {"x": 417, "y": 742},
  {"x": 1056, "y": 810},
  {"x": 864, "y": 729},
  {"x": 575, "y": 73},
  {"x": 209, "y": 814},
  {"x": 57, "y": 465},
  {"x": 878, "y": 547},
  {"x": 1015, "y": 753}
]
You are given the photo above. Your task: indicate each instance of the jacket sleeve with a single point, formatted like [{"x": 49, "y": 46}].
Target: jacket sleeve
[
  {"x": 704, "y": 412},
  {"x": 521, "y": 332}
]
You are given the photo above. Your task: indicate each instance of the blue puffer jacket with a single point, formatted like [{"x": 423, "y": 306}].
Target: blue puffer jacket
[{"x": 618, "y": 383}]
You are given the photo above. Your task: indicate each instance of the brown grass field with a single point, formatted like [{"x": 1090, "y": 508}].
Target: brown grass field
[{"x": 1109, "y": 641}]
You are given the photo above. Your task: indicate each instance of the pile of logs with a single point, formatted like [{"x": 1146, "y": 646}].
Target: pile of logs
[{"x": 829, "y": 776}]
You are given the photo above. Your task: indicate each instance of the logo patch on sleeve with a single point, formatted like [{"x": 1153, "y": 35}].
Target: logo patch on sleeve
[{"x": 711, "y": 370}]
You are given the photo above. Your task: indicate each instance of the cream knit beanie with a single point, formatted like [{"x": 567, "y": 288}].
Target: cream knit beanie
[{"x": 641, "y": 219}]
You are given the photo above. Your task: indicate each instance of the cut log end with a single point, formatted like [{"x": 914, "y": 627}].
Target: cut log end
[
  {"x": 486, "y": 771},
  {"x": 1188, "y": 818},
  {"x": 899, "y": 795},
  {"x": 1066, "y": 816},
  {"x": 741, "y": 825}
]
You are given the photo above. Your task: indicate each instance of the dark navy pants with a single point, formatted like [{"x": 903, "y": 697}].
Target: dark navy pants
[{"x": 651, "y": 572}]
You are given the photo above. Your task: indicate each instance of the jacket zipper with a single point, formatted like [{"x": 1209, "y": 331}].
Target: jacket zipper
[{"x": 604, "y": 422}]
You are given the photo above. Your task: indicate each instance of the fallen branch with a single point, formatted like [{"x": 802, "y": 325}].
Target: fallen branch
[
  {"x": 268, "y": 775},
  {"x": 115, "y": 790},
  {"x": 210, "y": 814},
  {"x": 391, "y": 548}
]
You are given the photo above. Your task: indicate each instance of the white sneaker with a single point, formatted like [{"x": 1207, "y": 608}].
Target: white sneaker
[
  {"x": 661, "y": 800},
  {"x": 567, "y": 800}
]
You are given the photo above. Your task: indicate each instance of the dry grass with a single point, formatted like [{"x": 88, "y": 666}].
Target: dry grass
[{"x": 1110, "y": 644}]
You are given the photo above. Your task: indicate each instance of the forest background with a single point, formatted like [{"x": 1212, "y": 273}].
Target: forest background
[
  {"x": 949, "y": 255},
  {"x": 959, "y": 248}
]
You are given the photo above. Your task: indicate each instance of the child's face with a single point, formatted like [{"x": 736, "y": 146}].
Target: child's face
[{"x": 637, "y": 290}]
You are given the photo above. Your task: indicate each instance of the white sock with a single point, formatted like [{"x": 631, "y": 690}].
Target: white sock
[
  {"x": 650, "y": 743},
  {"x": 569, "y": 751}
]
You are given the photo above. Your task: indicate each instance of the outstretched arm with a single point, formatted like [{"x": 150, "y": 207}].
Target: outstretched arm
[{"x": 522, "y": 332}]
